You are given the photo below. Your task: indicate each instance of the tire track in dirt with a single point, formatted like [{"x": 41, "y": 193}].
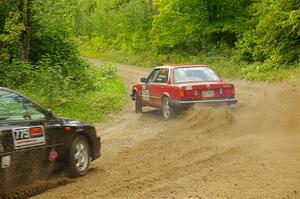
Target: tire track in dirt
[{"x": 253, "y": 152}]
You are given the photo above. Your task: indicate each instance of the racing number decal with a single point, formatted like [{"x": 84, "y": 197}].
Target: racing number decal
[
  {"x": 145, "y": 92},
  {"x": 21, "y": 134},
  {"x": 28, "y": 137}
]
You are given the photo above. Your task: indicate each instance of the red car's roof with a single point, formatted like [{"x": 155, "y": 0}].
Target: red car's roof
[{"x": 182, "y": 65}]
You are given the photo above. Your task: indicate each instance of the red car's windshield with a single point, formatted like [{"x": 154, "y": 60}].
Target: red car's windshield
[{"x": 194, "y": 74}]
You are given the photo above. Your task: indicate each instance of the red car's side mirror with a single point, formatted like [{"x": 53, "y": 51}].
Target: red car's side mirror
[{"x": 144, "y": 80}]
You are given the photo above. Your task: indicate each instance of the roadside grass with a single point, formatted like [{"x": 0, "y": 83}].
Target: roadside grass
[
  {"x": 95, "y": 105},
  {"x": 107, "y": 95},
  {"x": 225, "y": 62}
]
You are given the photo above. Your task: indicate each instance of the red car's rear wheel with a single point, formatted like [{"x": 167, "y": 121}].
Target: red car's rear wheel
[{"x": 168, "y": 112}]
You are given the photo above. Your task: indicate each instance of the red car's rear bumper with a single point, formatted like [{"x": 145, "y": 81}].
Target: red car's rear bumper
[{"x": 206, "y": 101}]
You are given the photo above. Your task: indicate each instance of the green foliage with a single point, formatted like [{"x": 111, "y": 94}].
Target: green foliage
[
  {"x": 276, "y": 33},
  {"x": 13, "y": 71},
  {"x": 108, "y": 70},
  {"x": 51, "y": 35},
  {"x": 89, "y": 100},
  {"x": 224, "y": 63},
  {"x": 55, "y": 75},
  {"x": 252, "y": 39},
  {"x": 167, "y": 25},
  {"x": 7, "y": 7},
  {"x": 13, "y": 74},
  {"x": 95, "y": 106},
  {"x": 9, "y": 38},
  {"x": 121, "y": 24},
  {"x": 83, "y": 10},
  {"x": 261, "y": 32},
  {"x": 196, "y": 24}
]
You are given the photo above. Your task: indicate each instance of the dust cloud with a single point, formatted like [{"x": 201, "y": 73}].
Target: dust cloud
[{"x": 250, "y": 152}]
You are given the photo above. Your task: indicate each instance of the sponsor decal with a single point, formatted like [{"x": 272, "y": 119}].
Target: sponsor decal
[
  {"x": 53, "y": 155},
  {"x": 28, "y": 137},
  {"x": 5, "y": 162},
  {"x": 145, "y": 93}
]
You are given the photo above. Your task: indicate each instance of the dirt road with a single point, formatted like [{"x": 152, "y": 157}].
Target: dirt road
[{"x": 253, "y": 152}]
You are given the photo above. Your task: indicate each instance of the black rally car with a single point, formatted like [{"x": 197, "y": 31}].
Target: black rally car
[{"x": 35, "y": 144}]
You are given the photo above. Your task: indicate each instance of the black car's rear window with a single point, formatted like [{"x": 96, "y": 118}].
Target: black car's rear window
[{"x": 194, "y": 74}]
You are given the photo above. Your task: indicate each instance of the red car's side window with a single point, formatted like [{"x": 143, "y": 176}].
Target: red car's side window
[
  {"x": 153, "y": 75},
  {"x": 162, "y": 76},
  {"x": 159, "y": 76}
]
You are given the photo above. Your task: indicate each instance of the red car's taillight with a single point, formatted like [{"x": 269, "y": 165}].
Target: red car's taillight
[
  {"x": 228, "y": 90},
  {"x": 181, "y": 92},
  {"x": 186, "y": 91}
]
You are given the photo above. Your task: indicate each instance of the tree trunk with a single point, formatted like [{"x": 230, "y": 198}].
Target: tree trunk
[
  {"x": 20, "y": 20},
  {"x": 28, "y": 24},
  {"x": 21, "y": 10}
]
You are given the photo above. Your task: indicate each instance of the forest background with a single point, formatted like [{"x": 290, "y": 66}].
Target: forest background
[{"x": 43, "y": 42}]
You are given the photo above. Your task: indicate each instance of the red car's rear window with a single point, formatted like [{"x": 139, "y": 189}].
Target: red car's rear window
[{"x": 194, "y": 74}]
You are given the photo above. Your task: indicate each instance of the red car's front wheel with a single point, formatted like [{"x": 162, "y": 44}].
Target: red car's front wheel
[{"x": 138, "y": 104}]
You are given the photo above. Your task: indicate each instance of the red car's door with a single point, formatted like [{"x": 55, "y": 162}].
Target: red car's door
[
  {"x": 146, "y": 95},
  {"x": 157, "y": 86}
]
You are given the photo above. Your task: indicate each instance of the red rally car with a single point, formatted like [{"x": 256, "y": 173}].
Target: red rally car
[{"x": 169, "y": 87}]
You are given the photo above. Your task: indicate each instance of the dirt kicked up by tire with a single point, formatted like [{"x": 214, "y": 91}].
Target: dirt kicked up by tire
[{"x": 205, "y": 152}]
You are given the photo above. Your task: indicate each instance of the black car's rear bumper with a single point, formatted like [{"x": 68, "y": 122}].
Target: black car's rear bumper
[{"x": 205, "y": 101}]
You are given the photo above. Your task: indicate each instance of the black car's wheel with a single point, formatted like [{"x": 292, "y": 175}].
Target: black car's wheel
[
  {"x": 168, "y": 112},
  {"x": 79, "y": 159},
  {"x": 138, "y": 104}
]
